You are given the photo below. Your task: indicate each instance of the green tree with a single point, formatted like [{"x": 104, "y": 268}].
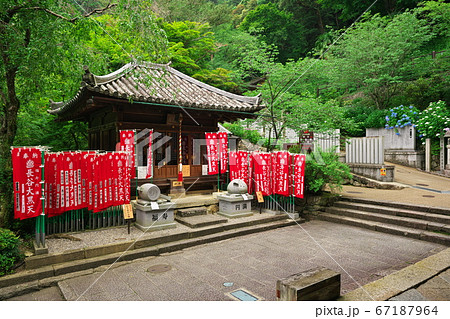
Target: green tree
[
  {"x": 42, "y": 46},
  {"x": 202, "y": 11},
  {"x": 375, "y": 55},
  {"x": 276, "y": 27}
]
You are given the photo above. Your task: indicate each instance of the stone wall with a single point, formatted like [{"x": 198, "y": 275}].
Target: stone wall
[{"x": 406, "y": 140}]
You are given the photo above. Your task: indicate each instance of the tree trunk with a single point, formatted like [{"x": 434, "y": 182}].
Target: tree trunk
[{"x": 8, "y": 131}]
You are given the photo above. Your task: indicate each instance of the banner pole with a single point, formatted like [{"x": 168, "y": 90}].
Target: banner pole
[
  {"x": 42, "y": 216},
  {"x": 219, "y": 155},
  {"x": 136, "y": 167}
]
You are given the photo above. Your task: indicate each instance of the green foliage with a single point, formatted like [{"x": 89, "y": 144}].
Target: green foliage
[
  {"x": 190, "y": 44},
  {"x": 9, "y": 251},
  {"x": 118, "y": 43},
  {"x": 324, "y": 169},
  {"x": 243, "y": 132},
  {"x": 375, "y": 55},
  {"x": 202, "y": 11},
  {"x": 219, "y": 78},
  {"x": 401, "y": 116},
  {"x": 376, "y": 119},
  {"x": 241, "y": 52},
  {"x": 434, "y": 121},
  {"x": 276, "y": 27}
]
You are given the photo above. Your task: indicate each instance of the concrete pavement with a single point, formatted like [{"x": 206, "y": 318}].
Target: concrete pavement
[
  {"x": 421, "y": 188},
  {"x": 252, "y": 262}
]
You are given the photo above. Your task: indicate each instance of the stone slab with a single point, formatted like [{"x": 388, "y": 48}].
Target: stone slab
[
  {"x": 192, "y": 211},
  {"x": 400, "y": 281},
  {"x": 34, "y": 262},
  {"x": 156, "y": 227},
  {"x": 201, "y": 220},
  {"x": 26, "y": 276},
  {"x": 315, "y": 284},
  {"x": 235, "y": 215},
  {"x": 409, "y": 295},
  {"x": 107, "y": 249}
]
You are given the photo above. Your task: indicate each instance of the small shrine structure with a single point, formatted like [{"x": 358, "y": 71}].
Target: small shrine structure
[{"x": 145, "y": 96}]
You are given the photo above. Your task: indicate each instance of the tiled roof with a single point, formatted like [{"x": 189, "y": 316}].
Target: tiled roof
[{"x": 158, "y": 83}]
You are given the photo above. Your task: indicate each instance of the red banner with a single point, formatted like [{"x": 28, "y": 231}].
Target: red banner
[
  {"x": 211, "y": 147},
  {"x": 150, "y": 156},
  {"x": 51, "y": 182},
  {"x": 262, "y": 168},
  {"x": 239, "y": 169},
  {"x": 233, "y": 166},
  {"x": 223, "y": 147},
  {"x": 281, "y": 171},
  {"x": 127, "y": 145},
  {"x": 83, "y": 179},
  {"x": 250, "y": 181},
  {"x": 299, "y": 175},
  {"x": 26, "y": 178}
]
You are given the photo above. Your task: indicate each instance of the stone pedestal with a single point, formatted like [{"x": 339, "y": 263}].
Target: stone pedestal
[
  {"x": 235, "y": 205},
  {"x": 177, "y": 189},
  {"x": 151, "y": 219}
]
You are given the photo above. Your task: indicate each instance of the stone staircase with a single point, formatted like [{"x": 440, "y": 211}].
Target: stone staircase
[
  {"x": 196, "y": 217},
  {"x": 419, "y": 222}
]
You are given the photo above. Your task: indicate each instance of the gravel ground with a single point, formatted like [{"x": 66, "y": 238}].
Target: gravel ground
[{"x": 92, "y": 238}]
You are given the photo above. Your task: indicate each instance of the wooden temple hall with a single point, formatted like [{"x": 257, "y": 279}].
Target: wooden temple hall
[{"x": 148, "y": 96}]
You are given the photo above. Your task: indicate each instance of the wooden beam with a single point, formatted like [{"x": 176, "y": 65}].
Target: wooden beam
[{"x": 165, "y": 127}]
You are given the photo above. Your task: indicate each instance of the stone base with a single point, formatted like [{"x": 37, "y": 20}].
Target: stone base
[
  {"x": 156, "y": 227},
  {"x": 293, "y": 215},
  {"x": 235, "y": 215},
  {"x": 272, "y": 212},
  {"x": 373, "y": 171},
  {"x": 409, "y": 158},
  {"x": 39, "y": 250},
  {"x": 176, "y": 191},
  {"x": 154, "y": 219},
  {"x": 319, "y": 283}
]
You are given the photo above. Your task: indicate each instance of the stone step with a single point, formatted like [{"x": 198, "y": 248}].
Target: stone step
[
  {"x": 192, "y": 211},
  {"x": 390, "y": 229},
  {"x": 198, "y": 221},
  {"x": 390, "y": 219},
  {"x": 430, "y": 217},
  {"x": 403, "y": 206}
]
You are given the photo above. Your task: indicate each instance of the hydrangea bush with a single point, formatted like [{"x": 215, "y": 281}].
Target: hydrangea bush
[
  {"x": 434, "y": 121},
  {"x": 401, "y": 116}
]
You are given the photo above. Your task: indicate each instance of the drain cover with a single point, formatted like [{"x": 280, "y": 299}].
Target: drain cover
[
  {"x": 422, "y": 184},
  {"x": 243, "y": 295},
  {"x": 431, "y": 196},
  {"x": 157, "y": 269},
  {"x": 353, "y": 192}
]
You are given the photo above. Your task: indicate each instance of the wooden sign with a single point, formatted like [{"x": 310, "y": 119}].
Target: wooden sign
[
  {"x": 307, "y": 135},
  {"x": 177, "y": 183},
  {"x": 383, "y": 171},
  {"x": 260, "y": 197},
  {"x": 186, "y": 170},
  {"x": 127, "y": 211}
]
